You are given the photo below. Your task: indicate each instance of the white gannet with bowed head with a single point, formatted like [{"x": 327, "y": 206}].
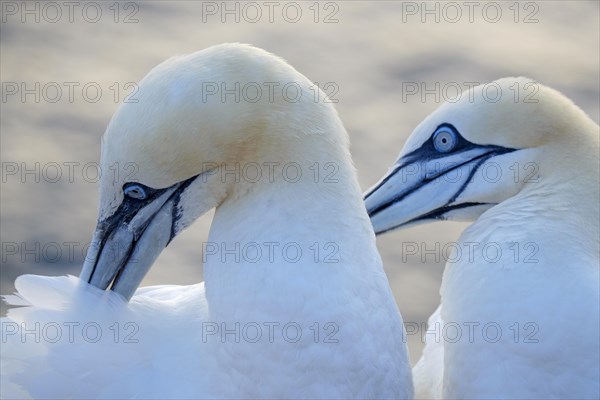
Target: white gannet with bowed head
[
  {"x": 295, "y": 303},
  {"x": 519, "y": 313}
]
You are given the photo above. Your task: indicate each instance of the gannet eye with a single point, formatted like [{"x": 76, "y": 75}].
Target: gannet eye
[
  {"x": 135, "y": 191},
  {"x": 445, "y": 139}
]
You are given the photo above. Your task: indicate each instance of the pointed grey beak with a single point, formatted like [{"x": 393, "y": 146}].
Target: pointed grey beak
[
  {"x": 126, "y": 244},
  {"x": 424, "y": 186}
]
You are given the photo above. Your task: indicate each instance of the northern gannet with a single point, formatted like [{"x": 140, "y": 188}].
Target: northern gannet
[
  {"x": 295, "y": 302},
  {"x": 519, "y": 313}
]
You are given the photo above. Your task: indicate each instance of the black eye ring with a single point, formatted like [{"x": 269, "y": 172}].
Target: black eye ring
[
  {"x": 135, "y": 191},
  {"x": 445, "y": 139}
]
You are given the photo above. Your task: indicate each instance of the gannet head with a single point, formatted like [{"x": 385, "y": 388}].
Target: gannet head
[
  {"x": 470, "y": 155},
  {"x": 192, "y": 116}
]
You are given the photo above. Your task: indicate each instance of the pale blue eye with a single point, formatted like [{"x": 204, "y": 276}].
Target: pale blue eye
[
  {"x": 445, "y": 140},
  {"x": 135, "y": 192}
]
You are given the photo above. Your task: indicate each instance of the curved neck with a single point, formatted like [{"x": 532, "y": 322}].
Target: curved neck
[
  {"x": 303, "y": 225},
  {"x": 534, "y": 266}
]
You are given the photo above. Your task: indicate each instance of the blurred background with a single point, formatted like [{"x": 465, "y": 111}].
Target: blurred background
[{"x": 65, "y": 68}]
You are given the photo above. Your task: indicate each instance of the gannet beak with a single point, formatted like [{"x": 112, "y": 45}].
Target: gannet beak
[
  {"x": 126, "y": 244},
  {"x": 424, "y": 185}
]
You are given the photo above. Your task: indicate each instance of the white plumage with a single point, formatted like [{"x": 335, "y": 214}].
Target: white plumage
[
  {"x": 329, "y": 326},
  {"x": 520, "y": 304}
]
